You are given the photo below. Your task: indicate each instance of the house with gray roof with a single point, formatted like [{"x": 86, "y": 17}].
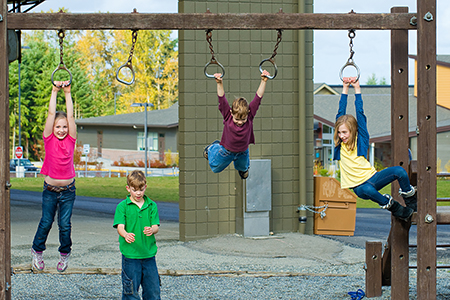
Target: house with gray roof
[
  {"x": 377, "y": 107},
  {"x": 121, "y": 137}
]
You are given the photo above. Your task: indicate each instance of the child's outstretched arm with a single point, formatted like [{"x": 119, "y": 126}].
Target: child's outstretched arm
[
  {"x": 346, "y": 81},
  {"x": 262, "y": 85},
  {"x": 48, "y": 129},
  {"x": 356, "y": 86},
  {"x": 219, "y": 80},
  {"x": 69, "y": 110}
]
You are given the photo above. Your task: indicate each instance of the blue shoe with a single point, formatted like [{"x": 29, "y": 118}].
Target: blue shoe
[{"x": 205, "y": 151}]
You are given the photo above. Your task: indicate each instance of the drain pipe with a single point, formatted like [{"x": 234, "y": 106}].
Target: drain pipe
[{"x": 306, "y": 112}]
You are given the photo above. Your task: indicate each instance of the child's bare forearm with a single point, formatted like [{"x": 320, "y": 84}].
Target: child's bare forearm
[
  {"x": 261, "y": 88},
  {"x": 220, "y": 89}
]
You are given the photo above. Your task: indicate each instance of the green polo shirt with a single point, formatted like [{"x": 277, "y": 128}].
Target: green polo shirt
[{"x": 135, "y": 219}]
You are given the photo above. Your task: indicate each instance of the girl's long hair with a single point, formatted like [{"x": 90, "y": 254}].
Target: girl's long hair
[{"x": 352, "y": 126}]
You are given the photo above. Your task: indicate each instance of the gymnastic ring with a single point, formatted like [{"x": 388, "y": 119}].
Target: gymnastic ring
[
  {"x": 129, "y": 66},
  {"x": 62, "y": 67},
  {"x": 214, "y": 62},
  {"x": 352, "y": 64},
  {"x": 274, "y": 65}
]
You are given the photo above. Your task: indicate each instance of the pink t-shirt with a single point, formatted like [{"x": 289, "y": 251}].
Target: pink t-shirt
[{"x": 58, "y": 161}]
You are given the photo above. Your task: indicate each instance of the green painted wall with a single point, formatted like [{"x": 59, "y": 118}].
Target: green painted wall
[{"x": 283, "y": 125}]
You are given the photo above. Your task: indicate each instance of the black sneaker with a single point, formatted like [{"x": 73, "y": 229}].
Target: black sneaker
[
  {"x": 244, "y": 174},
  {"x": 205, "y": 151}
]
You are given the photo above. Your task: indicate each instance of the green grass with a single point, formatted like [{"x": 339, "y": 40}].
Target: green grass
[
  {"x": 158, "y": 188},
  {"x": 166, "y": 188}
]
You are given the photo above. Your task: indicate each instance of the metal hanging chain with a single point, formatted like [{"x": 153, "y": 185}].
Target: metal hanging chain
[
  {"x": 209, "y": 40},
  {"x": 271, "y": 59},
  {"x": 312, "y": 209},
  {"x": 350, "y": 62},
  {"x": 213, "y": 60},
  {"x": 61, "y": 66},
  {"x": 61, "y": 36},
  {"x": 279, "y": 37},
  {"x": 133, "y": 43},
  {"x": 129, "y": 63},
  {"x": 351, "y": 35}
]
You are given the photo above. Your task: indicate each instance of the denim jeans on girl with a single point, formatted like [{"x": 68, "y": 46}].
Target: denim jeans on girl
[
  {"x": 369, "y": 189},
  {"x": 140, "y": 272},
  {"x": 52, "y": 202},
  {"x": 219, "y": 158}
]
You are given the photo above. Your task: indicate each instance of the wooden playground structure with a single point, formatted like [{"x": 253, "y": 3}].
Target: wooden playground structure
[{"x": 399, "y": 21}]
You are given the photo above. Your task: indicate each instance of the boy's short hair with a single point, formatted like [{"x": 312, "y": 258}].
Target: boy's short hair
[
  {"x": 136, "y": 179},
  {"x": 240, "y": 108}
]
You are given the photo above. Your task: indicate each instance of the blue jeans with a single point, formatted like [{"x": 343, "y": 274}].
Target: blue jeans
[
  {"x": 219, "y": 158},
  {"x": 140, "y": 272},
  {"x": 369, "y": 189},
  {"x": 51, "y": 202}
]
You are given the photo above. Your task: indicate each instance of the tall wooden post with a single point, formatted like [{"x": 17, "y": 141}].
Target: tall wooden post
[
  {"x": 426, "y": 149},
  {"x": 399, "y": 235},
  {"x": 5, "y": 223}
]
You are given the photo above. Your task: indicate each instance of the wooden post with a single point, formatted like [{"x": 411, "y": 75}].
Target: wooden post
[
  {"x": 5, "y": 222},
  {"x": 399, "y": 235},
  {"x": 426, "y": 149},
  {"x": 373, "y": 271}
]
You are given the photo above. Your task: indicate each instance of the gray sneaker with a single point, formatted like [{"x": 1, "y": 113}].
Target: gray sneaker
[
  {"x": 63, "y": 262},
  {"x": 38, "y": 260}
]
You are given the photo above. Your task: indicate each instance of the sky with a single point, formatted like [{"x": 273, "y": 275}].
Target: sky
[{"x": 331, "y": 49}]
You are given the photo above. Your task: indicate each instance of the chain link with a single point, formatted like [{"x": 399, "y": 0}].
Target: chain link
[
  {"x": 279, "y": 36},
  {"x": 351, "y": 35},
  {"x": 133, "y": 43},
  {"x": 314, "y": 209},
  {"x": 209, "y": 40},
  {"x": 61, "y": 36}
]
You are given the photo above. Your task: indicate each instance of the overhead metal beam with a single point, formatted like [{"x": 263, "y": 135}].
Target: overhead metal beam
[{"x": 226, "y": 21}]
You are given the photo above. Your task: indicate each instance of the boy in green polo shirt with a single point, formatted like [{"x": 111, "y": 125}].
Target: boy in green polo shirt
[{"x": 137, "y": 222}]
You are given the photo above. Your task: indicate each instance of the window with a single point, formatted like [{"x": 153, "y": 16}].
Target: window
[{"x": 152, "y": 141}]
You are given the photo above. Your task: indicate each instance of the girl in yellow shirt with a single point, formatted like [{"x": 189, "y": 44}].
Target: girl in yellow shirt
[{"x": 351, "y": 140}]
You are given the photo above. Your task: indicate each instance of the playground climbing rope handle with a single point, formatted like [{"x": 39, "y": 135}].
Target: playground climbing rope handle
[
  {"x": 61, "y": 66},
  {"x": 128, "y": 64},
  {"x": 350, "y": 62},
  {"x": 213, "y": 60},
  {"x": 272, "y": 58}
]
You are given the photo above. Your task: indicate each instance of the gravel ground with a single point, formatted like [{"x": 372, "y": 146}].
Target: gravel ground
[
  {"x": 285, "y": 266},
  {"x": 78, "y": 286}
]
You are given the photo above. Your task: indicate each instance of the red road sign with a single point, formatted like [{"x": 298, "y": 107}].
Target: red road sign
[{"x": 19, "y": 152}]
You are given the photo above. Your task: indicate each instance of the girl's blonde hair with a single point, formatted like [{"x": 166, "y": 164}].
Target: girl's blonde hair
[
  {"x": 239, "y": 108},
  {"x": 60, "y": 115},
  {"x": 352, "y": 126}
]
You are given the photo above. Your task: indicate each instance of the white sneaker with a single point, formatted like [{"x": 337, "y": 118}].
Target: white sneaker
[
  {"x": 63, "y": 262},
  {"x": 38, "y": 260}
]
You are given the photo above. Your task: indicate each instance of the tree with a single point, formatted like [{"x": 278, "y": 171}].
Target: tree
[{"x": 373, "y": 80}]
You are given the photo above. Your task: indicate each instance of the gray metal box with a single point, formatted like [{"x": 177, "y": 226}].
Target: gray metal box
[{"x": 258, "y": 193}]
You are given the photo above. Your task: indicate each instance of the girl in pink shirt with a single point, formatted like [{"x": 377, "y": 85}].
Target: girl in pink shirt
[{"x": 59, "y": 135}]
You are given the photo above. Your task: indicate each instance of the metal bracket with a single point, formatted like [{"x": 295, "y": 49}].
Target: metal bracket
[
  {"x": 8, "y": 286},
  {"x": 8, "y": 185},
  {"x": 417, "y": 130},
  {"x": 429, "y": 219},
  {"x": 413, "y": 21},
  {"x": 1, "y": 18},
  {"x": 428, "y": 17}
]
